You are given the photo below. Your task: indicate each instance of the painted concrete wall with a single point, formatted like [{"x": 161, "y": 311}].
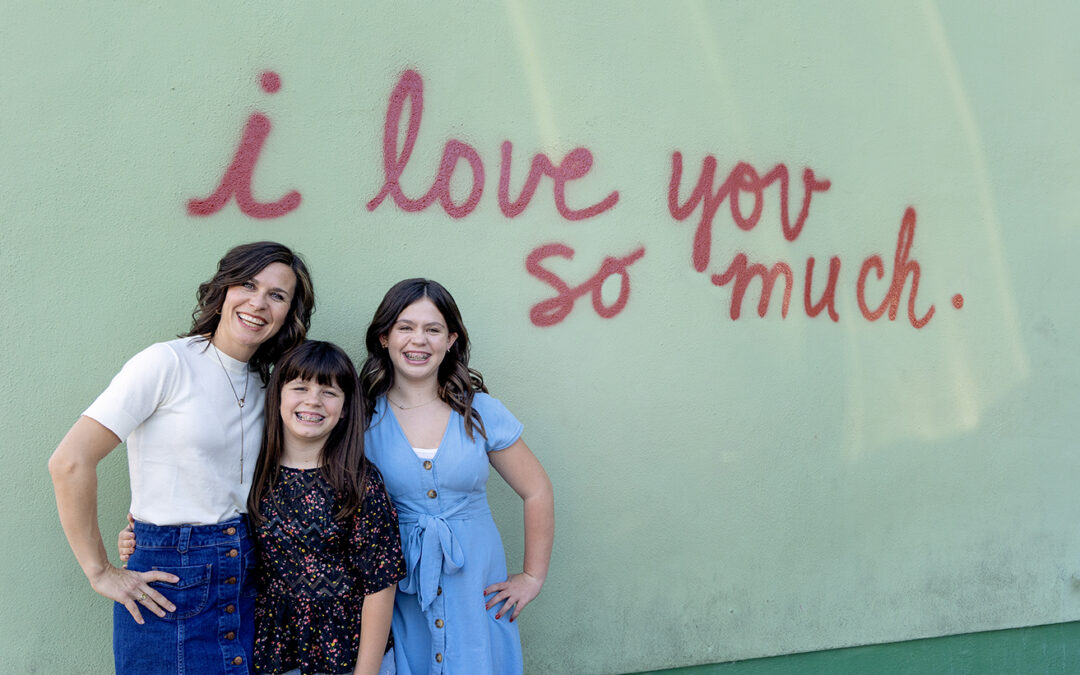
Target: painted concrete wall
[{"x": 883, "y": 451}]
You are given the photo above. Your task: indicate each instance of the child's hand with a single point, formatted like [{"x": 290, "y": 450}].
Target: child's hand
[
  {"x": 125, "y": 542},
  {"x": 518, "y": 591}
]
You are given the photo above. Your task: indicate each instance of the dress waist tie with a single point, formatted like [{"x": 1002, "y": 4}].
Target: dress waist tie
[{"x": 431, "y": 549}]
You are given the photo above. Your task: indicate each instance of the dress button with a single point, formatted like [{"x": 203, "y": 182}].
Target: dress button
[
  {"x": 233, "y": 553},
  {"x": 230, "y": 531},
  {"x": 229, "y": 609},
  {"x": 427, "y": 464},
  {"x": 230, "y": 580},
  {"x": 238, "y": 661},
  {"x": 439, "y": 591},
  {"x": 438, "y": 658},
  {"x": 432, "y": 494},
  {"x": 230, "y": 635},
  {"x": 439, "y": 623}
]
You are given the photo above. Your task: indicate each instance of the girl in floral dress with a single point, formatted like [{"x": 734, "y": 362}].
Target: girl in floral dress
[{"x": 327, "y": 534}]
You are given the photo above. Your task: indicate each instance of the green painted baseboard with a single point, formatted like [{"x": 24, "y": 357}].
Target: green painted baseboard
[{"x": 1049, "y": 649}]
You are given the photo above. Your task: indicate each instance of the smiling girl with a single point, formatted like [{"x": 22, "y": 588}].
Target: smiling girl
[
  {"x": 329, "y": 552},
  {"x": 433, "y": 434}
]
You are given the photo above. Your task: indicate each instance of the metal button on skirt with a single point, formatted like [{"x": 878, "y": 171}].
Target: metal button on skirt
[{"x": 213, "y": 627}]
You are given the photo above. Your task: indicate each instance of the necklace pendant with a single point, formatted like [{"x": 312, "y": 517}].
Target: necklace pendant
[{"x": 240, "y": 403}]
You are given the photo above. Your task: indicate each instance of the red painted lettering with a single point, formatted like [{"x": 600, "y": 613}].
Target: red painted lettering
[
  {"x": 540, "y": 165},
  {"x": 575, "y": 164},
  {"x": 454, "y": 151},
  {"x": 902, "y": 267},
  {"x": 828, "y": 298},
  {"x": 742, "y": 178},
  {"x": 742, "y": 273},
  {"x": 237, "y": 178},
  {"x": 410, "y": 87},
  {"x": 553, "y": 310}
]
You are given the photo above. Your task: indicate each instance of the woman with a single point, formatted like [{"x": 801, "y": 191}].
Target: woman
[
  {"x": 192, "y": 419},
  {"x": 433, "y": 432}
]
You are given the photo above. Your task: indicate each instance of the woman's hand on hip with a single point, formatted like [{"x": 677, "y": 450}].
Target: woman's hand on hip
[
  {"x": 132, "y": 589},
  {"x": 517, "y": 591}
]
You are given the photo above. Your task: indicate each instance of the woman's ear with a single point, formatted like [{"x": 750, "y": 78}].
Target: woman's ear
[{"x": 453, "y": 338}]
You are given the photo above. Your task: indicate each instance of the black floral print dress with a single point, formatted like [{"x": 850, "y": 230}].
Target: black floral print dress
[{"x": 315, "y": 571}]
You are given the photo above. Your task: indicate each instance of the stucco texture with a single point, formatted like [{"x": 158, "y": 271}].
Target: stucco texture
[{"x": 879, "y": 462}]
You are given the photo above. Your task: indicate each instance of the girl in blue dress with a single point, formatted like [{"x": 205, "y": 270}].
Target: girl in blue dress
[{"x": 434, "y": 431}]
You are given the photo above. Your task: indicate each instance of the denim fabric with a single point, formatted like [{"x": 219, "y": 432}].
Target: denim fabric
[{"x": 213, "y": 627}]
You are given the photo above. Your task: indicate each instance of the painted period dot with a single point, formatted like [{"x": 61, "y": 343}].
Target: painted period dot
[
  {"x": 271, "y": 82},
  {"x": 958, "y": 301}
]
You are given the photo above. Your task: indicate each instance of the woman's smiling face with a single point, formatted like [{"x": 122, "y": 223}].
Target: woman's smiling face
[
  {"x": 254, "y": 311},
  {"x": 418, "y": 341}
]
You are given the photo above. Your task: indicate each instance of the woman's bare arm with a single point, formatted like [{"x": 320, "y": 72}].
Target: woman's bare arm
[{"x": 74, "y": 473}]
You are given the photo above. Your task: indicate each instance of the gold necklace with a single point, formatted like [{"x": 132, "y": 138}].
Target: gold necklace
[
  {"x": 239, "y": 401},
  {"x": 410, "y": 407}
]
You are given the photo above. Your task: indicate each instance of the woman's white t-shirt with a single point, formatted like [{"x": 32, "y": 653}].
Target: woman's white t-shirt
[{"x": 173, "y": 405}]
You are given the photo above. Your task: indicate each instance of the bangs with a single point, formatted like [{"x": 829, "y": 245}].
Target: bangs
[{"x": 320, "y": 362}]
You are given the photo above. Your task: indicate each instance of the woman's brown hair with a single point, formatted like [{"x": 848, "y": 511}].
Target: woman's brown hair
[{"x": 239, "y": 265}]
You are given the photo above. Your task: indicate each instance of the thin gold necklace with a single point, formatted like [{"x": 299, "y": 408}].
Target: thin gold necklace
[
  {"x": 410, "y": 407},
  {"x": 239, "y": 401}
]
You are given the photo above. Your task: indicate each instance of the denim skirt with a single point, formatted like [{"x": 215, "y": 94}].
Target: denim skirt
[{"x": 213, "y": 627}]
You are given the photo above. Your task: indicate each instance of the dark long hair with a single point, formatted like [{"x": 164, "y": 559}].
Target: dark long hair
[
  {"x": 458, "y": 383},
  {"x": 343, "y": 462},
  {"x": 239, "y": 265}
]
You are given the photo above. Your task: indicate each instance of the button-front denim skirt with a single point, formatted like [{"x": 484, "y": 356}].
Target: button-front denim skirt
[{"x": 213, "y": 627}]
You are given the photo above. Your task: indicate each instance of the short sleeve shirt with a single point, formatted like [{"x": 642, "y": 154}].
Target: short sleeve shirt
[{"x": 189, "y": 460}]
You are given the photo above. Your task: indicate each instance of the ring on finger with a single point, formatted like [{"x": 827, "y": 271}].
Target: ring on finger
[{"x": 142, "y": 596}]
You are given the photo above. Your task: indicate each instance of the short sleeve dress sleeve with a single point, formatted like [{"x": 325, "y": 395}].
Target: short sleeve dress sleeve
[
  {"x": 142, "y": 385},
  {"x": 376, "y": 540},
  {"x": 500, "y": 426}
]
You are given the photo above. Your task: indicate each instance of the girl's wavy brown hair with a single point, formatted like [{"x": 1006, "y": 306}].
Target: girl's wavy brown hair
[{"x": 458, "y": 383}]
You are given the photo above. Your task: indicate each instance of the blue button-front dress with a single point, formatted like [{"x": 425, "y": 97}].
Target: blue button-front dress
[{"x": 451, "y": 546}]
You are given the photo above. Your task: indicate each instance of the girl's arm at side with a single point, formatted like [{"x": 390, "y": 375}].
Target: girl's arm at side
[
  {"x": 522, "y": 471},
  {"x": 73, "y": 467},
  {"x": 374, "y": 629}
]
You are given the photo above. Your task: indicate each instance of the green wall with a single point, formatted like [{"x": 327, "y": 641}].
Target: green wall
[{"x": 729, "y": 486}]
